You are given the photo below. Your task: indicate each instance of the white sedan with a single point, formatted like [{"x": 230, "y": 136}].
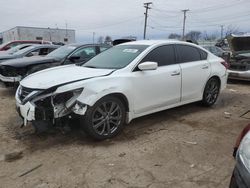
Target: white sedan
[{"x": 125, "y": 82}]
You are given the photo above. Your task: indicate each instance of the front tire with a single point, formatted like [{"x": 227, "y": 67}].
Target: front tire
[
  {"x": 105, "y": 119},
  {"x": 211, "y": 92}
]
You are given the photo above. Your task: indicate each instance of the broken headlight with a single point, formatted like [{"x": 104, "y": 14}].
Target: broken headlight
[
  {"x": 65, "y": 96},
  {"x": 244, "y": 151}
]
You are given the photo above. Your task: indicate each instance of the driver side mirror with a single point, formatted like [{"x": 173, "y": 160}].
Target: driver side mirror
[
  {"x": 32, "y": 54},
  {"x": 74, "y": 58},
  {"x": 148, "y": 65}
]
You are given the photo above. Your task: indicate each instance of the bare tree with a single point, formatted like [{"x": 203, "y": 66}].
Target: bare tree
[
  {"x": 231, "y": 30},
  {"x": 108, "y": 40},
  {"x": 209, "y": 36},
  {"x": 174, "y": 36},
  {"x": 193, "y": 35},
  {"x": 100, "y": 40}
]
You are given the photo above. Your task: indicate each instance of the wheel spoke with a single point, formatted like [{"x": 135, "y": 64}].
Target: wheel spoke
[
  {"x": 98, "y": 119},
  {"x": 103, "y": 128},
  {"x": 108, "y": 128},
  {"x": 112, "y": 107},
  {"x": 96, "y": 126},
  {"x": 100, "y": 111},
  {"x": 115, "y": 110},
  {"x": 115, "y": 123},
  {"x": 115, "y": 117}
]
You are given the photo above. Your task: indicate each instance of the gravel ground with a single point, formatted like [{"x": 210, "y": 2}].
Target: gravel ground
[{"x": 189, "y": 146}]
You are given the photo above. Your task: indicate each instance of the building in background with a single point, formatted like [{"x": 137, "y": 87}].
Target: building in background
[{"x": 65, "y": 36}]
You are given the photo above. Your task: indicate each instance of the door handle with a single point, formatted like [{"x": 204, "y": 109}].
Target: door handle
[
  {"x": 175, "y": 73},
  {"x": 204, "y": 67}
]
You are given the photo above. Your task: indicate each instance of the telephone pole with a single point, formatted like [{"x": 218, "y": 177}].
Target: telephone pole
[
  {"x": 146, "y": 5},
  {"x": 93, "y": 38},
  {"x": 184, "y": 22},
  {"x": 221, "y": 31}
]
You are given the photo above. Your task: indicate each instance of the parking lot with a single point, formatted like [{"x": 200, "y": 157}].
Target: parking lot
[{"x": 189, "y": 146}]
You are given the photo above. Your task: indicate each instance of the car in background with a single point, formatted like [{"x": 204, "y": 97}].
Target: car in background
[
  {"x": 241, "y": 174},
  {"x": 15, "y": 49},
  {"x": 215, "y": 50},
  {"x": 240, "y": 58},
  {"x": 12, "y": 71},
  {"x": 127, "y": 81},
  {"x": 34, "y": 50},
  {"x": 11, "y": 44}
]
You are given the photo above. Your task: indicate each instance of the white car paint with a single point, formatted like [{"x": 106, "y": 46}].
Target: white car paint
[{"x": 146, "y": 91}]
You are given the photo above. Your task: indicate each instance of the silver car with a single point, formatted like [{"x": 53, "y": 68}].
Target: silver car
[{"x": 240, "y": 59}]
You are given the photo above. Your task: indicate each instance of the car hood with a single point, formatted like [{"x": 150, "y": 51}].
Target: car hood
[
  {"x": 25, "y": 61},
  {"x": 61, "y": 75},
  {"x": 239, "y": 44},
  {"x": 6, "y": 56}
]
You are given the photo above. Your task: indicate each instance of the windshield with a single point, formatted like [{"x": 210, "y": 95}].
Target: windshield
[
  {"x": 17, "y": 48},
  {"x": 116, "y": 57},
  {"x": 23, "y": 51},
  {"x": 62, "y": 52}
]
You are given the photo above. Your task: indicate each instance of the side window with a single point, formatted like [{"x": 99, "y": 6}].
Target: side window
[
  {"x": 203, "y": 54},
  {"x": 33, "y": 53},
  {"x": 81, "y": 55},
  {"x": 163, "y": 55},
  {"x": 187, "y": 53},
  {"x": 44, "y": 51}
]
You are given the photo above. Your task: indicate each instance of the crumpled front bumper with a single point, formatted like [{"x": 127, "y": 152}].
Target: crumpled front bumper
[
  {"x": 10, "y": 79},
  {"x": 26, "y": 111},
  {"x": 239, "y": 75}
]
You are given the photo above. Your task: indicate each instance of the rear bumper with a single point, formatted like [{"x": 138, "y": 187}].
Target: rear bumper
[
  {"x": 10, "y": 79},
  {"x": 239, "y": 75}
]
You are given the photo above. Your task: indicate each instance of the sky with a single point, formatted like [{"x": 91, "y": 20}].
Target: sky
[{"x": 122, "y": 18}]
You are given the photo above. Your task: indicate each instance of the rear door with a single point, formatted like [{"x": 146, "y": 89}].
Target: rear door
[
  {"x": 154, "y": 89},
  {"x": 195, "y": 70}
]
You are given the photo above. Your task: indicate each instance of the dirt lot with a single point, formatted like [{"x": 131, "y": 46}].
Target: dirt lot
[{"x": 189, "y": 146}]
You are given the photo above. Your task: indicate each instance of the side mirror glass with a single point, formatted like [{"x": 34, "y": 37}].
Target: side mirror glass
[{"x": 148, "y": 66}]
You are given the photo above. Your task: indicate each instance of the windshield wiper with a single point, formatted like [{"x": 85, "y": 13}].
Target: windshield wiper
[{"x": 89, "y": 66}]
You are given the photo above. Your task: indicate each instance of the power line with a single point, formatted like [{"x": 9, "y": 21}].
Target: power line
[{"x": 110, "y": 25}]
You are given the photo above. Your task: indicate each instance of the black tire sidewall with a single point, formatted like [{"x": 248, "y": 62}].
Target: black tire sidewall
[
  {"x": 204, "y": 101},
  {"x": 86, "y": 120}
]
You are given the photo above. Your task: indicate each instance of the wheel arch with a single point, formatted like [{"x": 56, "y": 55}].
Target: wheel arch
[{"x": 121, "y": 97}]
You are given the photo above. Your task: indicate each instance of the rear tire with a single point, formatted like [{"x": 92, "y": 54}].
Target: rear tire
[
  {"x": 105, "y": 119},
  {"x": 211, "y": 92}
]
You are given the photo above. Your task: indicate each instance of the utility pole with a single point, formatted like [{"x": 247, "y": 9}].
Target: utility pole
[
  {"x": 184, "y": 22},
  {"x": 146, "y": 5},
  {"x": 93, "y": 37},
  {"x": 221, "y": 31}
]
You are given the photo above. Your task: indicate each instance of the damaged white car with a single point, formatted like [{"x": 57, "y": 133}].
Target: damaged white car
[{"x": 125, "y": 82}]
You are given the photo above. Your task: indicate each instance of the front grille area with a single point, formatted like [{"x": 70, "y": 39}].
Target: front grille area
[
  {"x": 24, "y": 92},
  {"x": 8, "y": 71}
]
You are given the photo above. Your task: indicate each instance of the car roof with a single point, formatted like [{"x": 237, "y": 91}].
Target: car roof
[
  {"x": 82, "y": 44},
  {"x": 46, "y": 45},
  {"x": 156, "y": 42}
]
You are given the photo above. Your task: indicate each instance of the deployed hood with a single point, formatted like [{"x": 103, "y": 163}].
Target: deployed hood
[
  {"x": 22, "y": 62},
  {"x": 61, "y": 75},
  {"x": 239, "y": 44}
]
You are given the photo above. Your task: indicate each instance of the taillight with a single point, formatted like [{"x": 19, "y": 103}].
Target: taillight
[{"x": 225, "y": 64}]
